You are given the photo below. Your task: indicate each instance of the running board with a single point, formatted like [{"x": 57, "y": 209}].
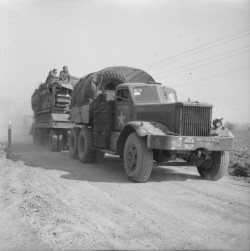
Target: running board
[
  {"x": 105, "y": 150},
  {"x": 172, "y": 163}
]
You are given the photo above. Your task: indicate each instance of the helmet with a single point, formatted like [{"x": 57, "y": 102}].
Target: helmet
[{"x": 215, "y": 121}]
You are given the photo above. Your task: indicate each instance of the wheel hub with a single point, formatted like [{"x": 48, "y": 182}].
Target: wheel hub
[
  {"x": 207, "y": 162},
  {"x": 132, "y": 157}
]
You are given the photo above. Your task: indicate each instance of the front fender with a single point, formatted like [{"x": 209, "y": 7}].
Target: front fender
[
  {"x": 221, "y": 132},
  {"x": 142, "y": 128}
]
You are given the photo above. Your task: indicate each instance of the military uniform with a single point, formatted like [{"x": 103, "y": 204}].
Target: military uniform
[
  {"x": 52, "y": 76},
  {"x": 64, "y": 76}
]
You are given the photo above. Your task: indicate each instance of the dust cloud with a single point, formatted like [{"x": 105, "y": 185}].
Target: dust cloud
[{"x": 20, "y": 115}]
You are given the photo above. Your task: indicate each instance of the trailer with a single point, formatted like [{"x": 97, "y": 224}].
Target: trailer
[{"x": 51, "y": 121}]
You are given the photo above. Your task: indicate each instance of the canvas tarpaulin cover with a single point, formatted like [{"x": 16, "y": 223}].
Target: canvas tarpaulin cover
[{"x": 88, "y": 86}]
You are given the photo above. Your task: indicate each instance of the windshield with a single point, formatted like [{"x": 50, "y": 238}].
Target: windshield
[{"x": 146, "y": 94}]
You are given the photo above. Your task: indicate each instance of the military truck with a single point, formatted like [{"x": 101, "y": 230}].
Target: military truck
[
  {"x": 123, "y": 111},
  {"x": 51, "y": 105}
]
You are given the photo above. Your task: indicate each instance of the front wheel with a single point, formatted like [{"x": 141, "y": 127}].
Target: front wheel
[
  {"x": 138, "y": 159},
  {"x": 215, "y": 167}
]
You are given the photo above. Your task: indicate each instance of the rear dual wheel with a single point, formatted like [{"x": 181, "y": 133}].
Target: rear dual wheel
[
  {"x": 73, "y": 142},
  {"x": 85, "y": 147},
  {"x": 86, "y": 152},
  {"x": 81, "y": 146}
]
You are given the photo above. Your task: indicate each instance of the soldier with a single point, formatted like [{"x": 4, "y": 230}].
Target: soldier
[
  {"x": 52, "y": 76},
  {"x": 64, "y": 74},
  {"x": 217, "y": 123}
]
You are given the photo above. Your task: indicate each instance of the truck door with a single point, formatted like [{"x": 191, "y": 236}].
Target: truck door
[{"x": 123, "y": 106}]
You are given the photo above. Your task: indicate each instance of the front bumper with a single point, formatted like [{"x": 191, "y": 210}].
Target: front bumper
[{"x": 189, "y": 143}]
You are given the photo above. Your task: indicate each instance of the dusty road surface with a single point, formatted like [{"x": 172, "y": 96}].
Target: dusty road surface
[{"x": 57, "y": 203}]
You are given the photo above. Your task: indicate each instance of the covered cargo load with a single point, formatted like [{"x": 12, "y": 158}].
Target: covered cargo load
[{"x": 92, "y": 84}]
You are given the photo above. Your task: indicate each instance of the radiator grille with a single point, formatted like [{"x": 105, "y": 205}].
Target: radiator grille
[{"x": 196, "y": 121}]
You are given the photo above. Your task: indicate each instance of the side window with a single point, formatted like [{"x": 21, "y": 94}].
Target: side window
[
  {"x": 169, "y": 95},
  {"x": 123, "y": 95}
]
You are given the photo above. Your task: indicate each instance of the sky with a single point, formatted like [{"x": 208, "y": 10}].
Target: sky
[{"x": 201, "y": 48}]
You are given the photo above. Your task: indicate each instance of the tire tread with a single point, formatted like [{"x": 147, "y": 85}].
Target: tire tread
[
  {"x": 73, "y": 149},
  {"x": 218, "y": 167},
  {"x": 146, "y": 165},
  {"x": 88, "y": 155}
]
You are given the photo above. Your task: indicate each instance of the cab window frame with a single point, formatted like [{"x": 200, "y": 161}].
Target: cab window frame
[{"x": 120, "y": 99}]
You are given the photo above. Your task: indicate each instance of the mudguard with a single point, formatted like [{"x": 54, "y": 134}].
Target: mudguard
[{"x": 142, "y": 128}]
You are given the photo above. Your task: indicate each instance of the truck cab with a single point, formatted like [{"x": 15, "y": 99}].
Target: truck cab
[{"x": 134, "y": 100}]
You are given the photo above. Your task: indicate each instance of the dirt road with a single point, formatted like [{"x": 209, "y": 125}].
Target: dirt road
[{"x": 57, "y": 203}]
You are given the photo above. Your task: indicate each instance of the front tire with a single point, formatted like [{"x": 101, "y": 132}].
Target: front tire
[
  {"x": 216, "y": 167},
  {"x": 138, "y": 159}
]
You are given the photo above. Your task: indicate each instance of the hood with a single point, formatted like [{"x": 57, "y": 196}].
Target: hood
[
  {"x": 178, "y": 116},
  {"x": 193, "y": 103}
]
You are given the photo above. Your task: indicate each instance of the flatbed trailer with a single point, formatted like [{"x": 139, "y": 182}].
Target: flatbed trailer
[{"x": 54, "y": 133}]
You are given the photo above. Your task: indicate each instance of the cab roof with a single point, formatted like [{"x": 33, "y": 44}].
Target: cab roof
[{"x": 143, "y": 84}]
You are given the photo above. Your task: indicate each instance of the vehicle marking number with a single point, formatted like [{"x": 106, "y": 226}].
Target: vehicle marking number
[
  {"x": 189, "y": 143},
  {"x": 205, "y": 144},
  {"x": 176, "y": 143}
]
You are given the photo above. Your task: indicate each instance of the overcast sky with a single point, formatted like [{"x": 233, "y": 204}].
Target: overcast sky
[{"x": 200, "y": 48}]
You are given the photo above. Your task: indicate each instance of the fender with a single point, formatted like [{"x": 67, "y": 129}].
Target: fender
[
  {"x": 142, "y": 128},
  {"x": 221, "y": 132}
]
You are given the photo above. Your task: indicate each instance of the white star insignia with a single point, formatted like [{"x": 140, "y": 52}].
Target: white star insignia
[{"x": 121, "y": 119}]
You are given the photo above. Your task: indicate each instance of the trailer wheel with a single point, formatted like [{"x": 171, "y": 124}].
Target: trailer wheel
[
  {"x": 53, "y": 141},
  {"x": 73, "y": 142},
  {"x": 85, "y": 148},
  {"x": 34, "y": 137},
  {"x": 138, "y": 159},
  {"x": 38, "y": 137},
  {"x": 215, "y": 167},
  {"x": 60, "y": 142}
]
